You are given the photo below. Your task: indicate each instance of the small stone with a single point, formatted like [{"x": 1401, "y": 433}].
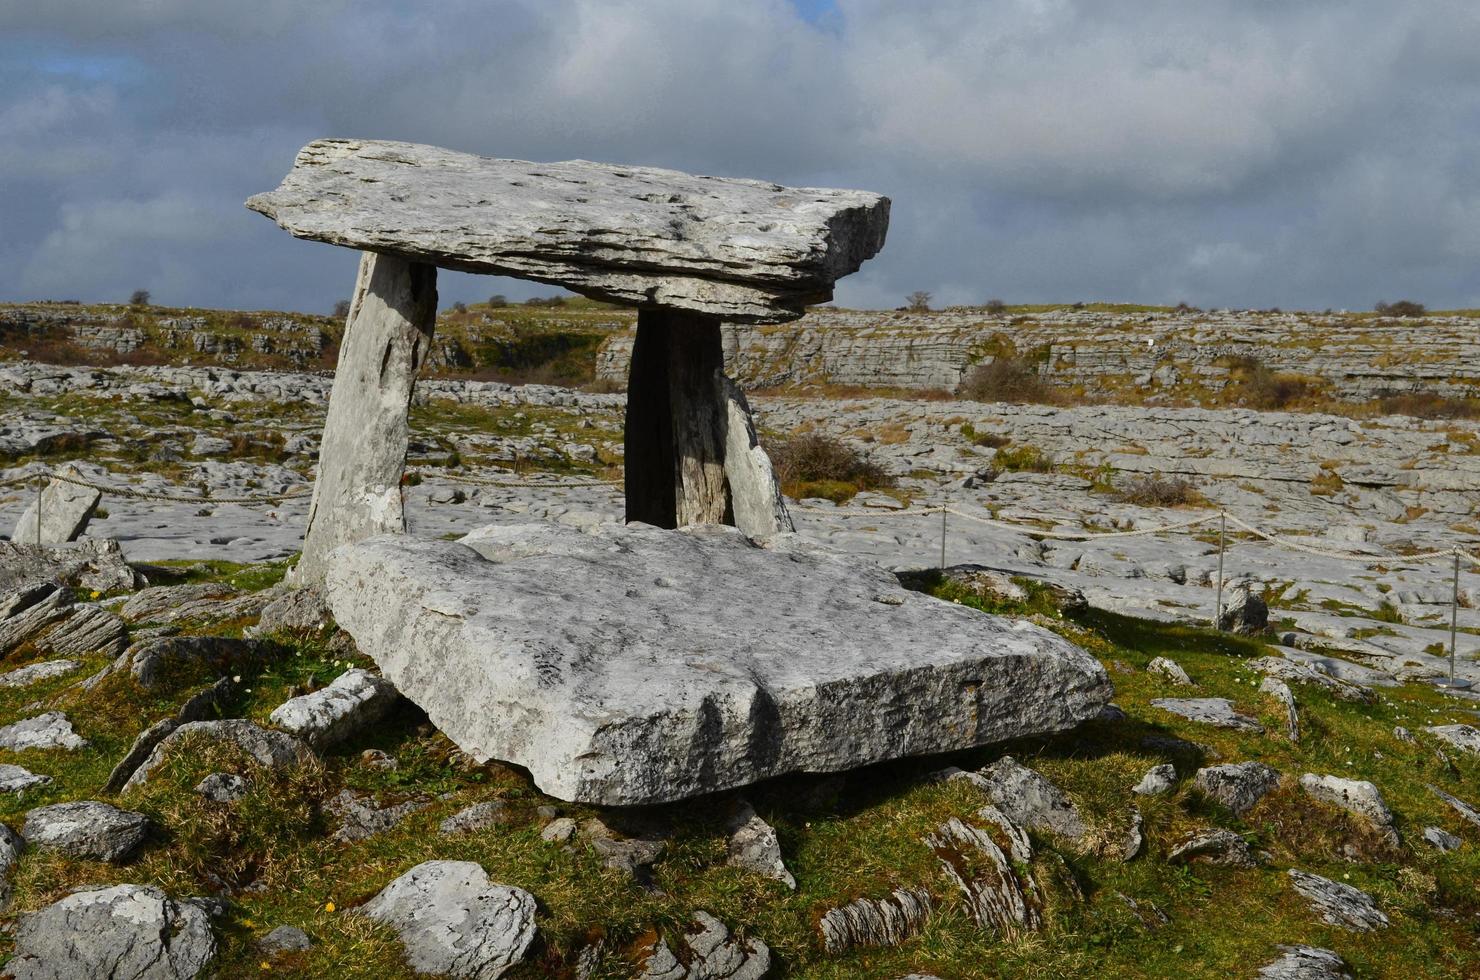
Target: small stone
[
  {"x": 479, "y": 816},
  {"x": 132, "y": 931},
  {"x": 16, "y": 779},
  {"x": 1216, "y": 846},
  {"x": 1339, "y": 904},
  {"x": 1459, "y": 806},
  {"x": 1463, "y": 737},
  {"x": 1355, "y": 796},
  {"x": 1246, "y": 613},
  {"x": 1280, "y": 691},
  {"x": 49, "y": 731},
  {"x": 35, "y": 673},
  {"x": 1169, "y": 669},
  {"x": 223, "y": 787},
  {"x": 885, "y": 921},
  {"x": 1305, "y": 963},
  {"x": 1158, "y": 780},
  {"x": 1404, "y": 735},
  {"x": 1441, "y": 839},
  {"x": 754, "y": 846},
  {"x": 452, "y": 920},
  {"x": 995, "y": 897},
  {"x": 559, "y": 830},
  {"x": 1031, "y": 800},
  {"x": 88, "y": 829},
  {"x": 710, "y": 952},
  {"x": 1134, "y": 836},
  {"x": 285, "y": 939},
  {"x": 1237, "y": 786},
  {"x": 354, "y": 700},
  {"x": 376, "y": 759},
  {"x": 361, "y": 817},
  {"x": 11, "y": 846},
  {"x": 1209, "y": 711}
]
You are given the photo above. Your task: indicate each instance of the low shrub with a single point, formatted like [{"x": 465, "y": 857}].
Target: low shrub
[
  {"x": 817, "y": 465},
  {"x": 989, "y": 439},
  {"x": 1403, "y": 307},
  {"x": 1155, "y": 490},
  {"x": 1256, "y": 386},
  {"x": 1006, "y": 379},
  {"x": 1427, "y": 405},
  {"x": 1018, "y": 459}
]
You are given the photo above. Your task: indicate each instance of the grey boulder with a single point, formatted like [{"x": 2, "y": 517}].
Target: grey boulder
[
  {"x": 886, "y": 921},
  {"x": 1246, "y": 614},
  {"x": 347, "y": 705},
  {"x": 65, "y": 509},
  {"x": 275, "y": 750},
  {"x": 11, "y": 846},
  {"x": 1339, "y": 904},
  {"x": 87, "y": 829},
  {"x": 16, "y": 779},
  {"x": 631, "y": 665},
  {"x": 452, "y": 920},
  {"x": 1356, "y": 796},
  {"x": 1217, "y": 846},
  {"x": 1463, "y": 737},
  {"x": 133, "y": 931},
  {"x": 51, "y": 730},
  {"x": 1238, "y": 786},
  {"x": 1030, "y": 800},
  {"x": 1305, "y": 963}
]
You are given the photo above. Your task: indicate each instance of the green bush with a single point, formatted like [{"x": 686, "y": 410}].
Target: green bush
[
  {"x": 816, "y": 465},
  {"x": 1006, "y": 379}
]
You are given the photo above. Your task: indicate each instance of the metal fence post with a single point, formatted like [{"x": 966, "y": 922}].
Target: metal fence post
[
  {"x": 1454, "y": 616},
  {"x": 942, "y": 537},
  {"x": 1222, "y": 537}
]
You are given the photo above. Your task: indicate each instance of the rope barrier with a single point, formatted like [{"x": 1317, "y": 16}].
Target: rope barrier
[
  {"x": 179, "y": 498},
  {"x": 537, "y": 484}
]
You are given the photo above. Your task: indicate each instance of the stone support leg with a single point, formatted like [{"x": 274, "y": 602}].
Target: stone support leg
[
  {"x": 691, "y": 450},
  {"x": 357, "y": 492}
]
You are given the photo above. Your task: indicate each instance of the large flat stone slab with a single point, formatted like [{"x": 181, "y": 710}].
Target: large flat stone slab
[
  {"x": 630, "y": 665},
  {"x": 743, "y": 250}
]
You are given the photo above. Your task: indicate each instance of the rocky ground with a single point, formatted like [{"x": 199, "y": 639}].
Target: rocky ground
[{"x": 253, "y": 800}]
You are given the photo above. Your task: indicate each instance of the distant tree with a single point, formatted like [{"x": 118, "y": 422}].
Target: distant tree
[
  {"x": 996, "y": 306},
  {"x": 1403, "y": 307},
  {"x": 497, "y": 300},
  {"x": 459, "y": 307},
  {"x": 140, "y": 297},
  {"x": 918, "y": 301},
  {"x": 341, "y": 310}
]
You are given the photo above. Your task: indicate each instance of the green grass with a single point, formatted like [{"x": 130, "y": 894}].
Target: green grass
[{"x": 860, "y": 837}]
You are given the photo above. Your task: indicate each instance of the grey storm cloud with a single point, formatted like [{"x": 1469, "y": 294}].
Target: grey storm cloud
[{"x": 1306, "y": 153}]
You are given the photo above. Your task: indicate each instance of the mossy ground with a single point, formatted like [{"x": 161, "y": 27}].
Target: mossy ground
[{"x": 860, "y": 836}]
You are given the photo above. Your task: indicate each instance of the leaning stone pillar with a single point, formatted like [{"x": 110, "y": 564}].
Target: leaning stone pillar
[{"x": 357, "y": 492}]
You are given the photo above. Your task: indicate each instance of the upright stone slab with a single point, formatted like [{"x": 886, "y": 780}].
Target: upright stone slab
[
  {"x": 65, "y": 509},
  {"x": 357, "y": 493}
]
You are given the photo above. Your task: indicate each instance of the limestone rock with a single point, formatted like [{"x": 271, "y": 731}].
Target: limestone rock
[
  {"x": 37, "y": 610},
  {"x": 1280, "y": 691},
  {"x": 268, "y": 748},
  {"x": 87, "y": 829},
  {"x": 479, "y": 816},
  {"x": 198, "y": 708},
  {"x": 885, "y": 921},
  {"x": 124, "y": 931},
  {"x": 674, "y": 669},
  {"x": 1031, "y": 800},
  {"x": 37, "y": 672},
  {"x": 753, "y": 845},
  {"x": 1356, "y": 796},
  {"x": 1209, "y": 711},
  {"x": 1463, "y": 737},
  {"x": 285, "y": 939},
  {"x": 1339, "y": 904},
  {"x": 177, "y": 603},
  {"x": 361, "y": 816},
  {"x": 1238, "y": 786},
  {"x": 1246, "y": 614},
  {"x": 155, "y": 662},
  {"x": 1216, "y": 846},
  {"x": 16, "y": 779},
  {"x": 755, "y": 491},
  {"x": 91, "y": 563},
  {"x": 65, "y": 510},
  {"x": 223, "y": 787},
  {"x": 1296, "y": 672},
  {"x": 708, "y": 952},
  {"x": 1458, "y": 805},
  {"x": 735, "y": 249},
  {"x": 452, "y": 920},
  {"x": 558, "y": 831},
  {"x": 1441, "y": 839},
  {"x": 294, "y": 610},
  {"x": 1157, "y": 781},
  {"x": 1169, "y": 669},
  {"x": 11, "y": 846},
  {"x": 51, "y": 730},
  {"x": 354, "y": 700},
  {"x": 1305, "y": 963},
  {"x": 996, "y": 898}
]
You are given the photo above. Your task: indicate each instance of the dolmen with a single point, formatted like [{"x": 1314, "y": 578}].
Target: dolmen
[{"x": 702, "y": 645}]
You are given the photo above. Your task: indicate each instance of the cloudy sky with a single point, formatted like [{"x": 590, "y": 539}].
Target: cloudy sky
[{"x": 1299, "y": 153}]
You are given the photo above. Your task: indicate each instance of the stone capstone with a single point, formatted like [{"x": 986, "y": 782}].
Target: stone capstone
[
  {"x": 452, "y": 920},
  {"x": 134, "y": 931},
  {"x": 741, "y": 250},
  {"x": 630, "y": 665},
  {"x": 351, "y": 702},
  {"x": 87, "y": 829}
]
